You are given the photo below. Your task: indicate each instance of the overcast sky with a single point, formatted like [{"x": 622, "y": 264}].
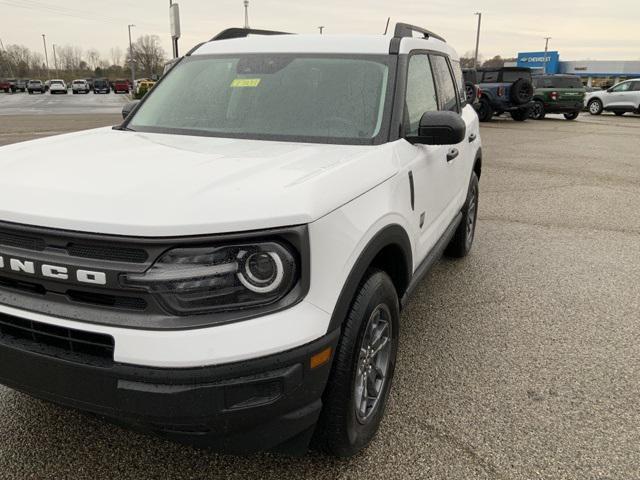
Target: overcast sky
[{"x": 585, "y": 29}]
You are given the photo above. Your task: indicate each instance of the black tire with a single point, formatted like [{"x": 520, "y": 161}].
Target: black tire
[
  {"x": 485, "y": 111},
  {"x": 30, "y": 92},
  {"x": 619, "y": 114},
  {"x": 462, "y": 241},
  {"x": 522, "y": 91},
  {"x": 537, "y": 111},
  {"x": 572, "y": 115},
  {"x": 595, "y": 107},
  {"x": 342, "y": 431},
  {"x": 521, "y": 115}
]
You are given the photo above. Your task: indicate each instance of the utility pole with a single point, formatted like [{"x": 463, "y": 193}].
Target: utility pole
[
  {"x": 475, "y": 61},
  {"x": 246, "y": 14},
  {"x": 321, "y": 29},
  {"x": 174, "y": 20},
  {"x": 546, "y": 49},
  {"x": 55, "y": 59},
  {"x": 46, "y": 56},
  {"x": 133, "y": 72}
]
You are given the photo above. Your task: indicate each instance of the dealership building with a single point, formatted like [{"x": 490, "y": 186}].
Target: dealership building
[{"x": 594, "y": 73}]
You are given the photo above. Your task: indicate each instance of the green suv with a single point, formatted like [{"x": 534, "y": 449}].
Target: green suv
[{"x": 557, "y": 94}]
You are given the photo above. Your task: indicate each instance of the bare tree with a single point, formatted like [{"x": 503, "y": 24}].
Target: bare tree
[
  {"x": 116, "y": 56},
  {"x": 149, "y": 55},
  {"x": 93, "y": 58}
]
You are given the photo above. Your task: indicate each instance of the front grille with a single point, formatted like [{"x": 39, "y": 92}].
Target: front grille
[
  {"x": 115, "y": 254},
  {"x": 20, "y": 241},
  {"x": 114, "y": 301},
  {"x": 74, "y": 345}
]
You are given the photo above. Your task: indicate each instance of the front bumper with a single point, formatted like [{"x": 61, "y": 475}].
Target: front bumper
[{"x": 237, "y": 408}]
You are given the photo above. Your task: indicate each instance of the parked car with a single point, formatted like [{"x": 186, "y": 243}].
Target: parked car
[
  {"x": 260, "y": 307},
  {"x": 21, "y": 85},
  {"x": 35, "y": 86},
  {"x": 47, "y": 85},
  {"x": 90, "y": 82},
  {"x": 80, "y": 86},
  {"x": 12, "y": 85},
  {"x": 58, "y": 86},
  {"x": 121, "y": 86},
  {"x": 146, "y": 83},
  {"x": 507, "y": 89},
  {"x": 101, "y": 85},
  {"x": 557, "y": 94},
  {"x": 5, "y": 85},
  {"x": 619, "y": 99}
]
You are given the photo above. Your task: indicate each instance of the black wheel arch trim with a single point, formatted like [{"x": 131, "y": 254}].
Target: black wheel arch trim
[{"x": 391, "y": 235}]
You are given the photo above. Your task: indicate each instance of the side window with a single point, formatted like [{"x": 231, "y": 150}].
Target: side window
[
  {"x": 636, "y": 87},
  {"x": 623, "y": 87},
  {"x": 490, "y": 77},
  {"x": 421, "y": 92},
  {"x": 457, "y": 73},
  {"x": 447, "y": 93}
]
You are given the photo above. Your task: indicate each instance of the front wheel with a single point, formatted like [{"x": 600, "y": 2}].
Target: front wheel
[
  {"x": 537, "y": 111},
  {"x": 572, "y": 115},
  {"x": 595, "y": 107},
  {"x": 520, "y": 115},
  {"x": 364, "y": 363}
]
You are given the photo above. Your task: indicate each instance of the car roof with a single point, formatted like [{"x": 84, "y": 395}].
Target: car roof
[{"x": 239, "y": 41}]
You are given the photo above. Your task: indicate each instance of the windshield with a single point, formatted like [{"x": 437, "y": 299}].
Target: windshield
[{"x": 287, "y": 97}]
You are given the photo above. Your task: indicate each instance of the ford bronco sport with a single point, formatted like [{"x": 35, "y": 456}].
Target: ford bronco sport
[
  {"x": 227, "y": 266},
  {"x": 508, "y": 89},
  {"x": 557, "y": 94}
]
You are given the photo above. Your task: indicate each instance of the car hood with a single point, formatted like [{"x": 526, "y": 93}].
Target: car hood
[{"x": 141, "y": 184}]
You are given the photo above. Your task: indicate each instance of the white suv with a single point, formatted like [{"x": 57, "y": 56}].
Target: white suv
[
  {"x": 80, "y": 86},
  {"x": 228, "y": 266},
  {"x": 621, "y": 98}
]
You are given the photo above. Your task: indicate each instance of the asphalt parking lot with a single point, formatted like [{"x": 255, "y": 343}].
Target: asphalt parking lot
[{"x": 520, "y": 362}]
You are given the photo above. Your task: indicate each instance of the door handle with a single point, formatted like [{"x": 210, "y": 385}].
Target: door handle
[
  {"x": 472, "y": 138},
  {"x": 452, "y": 154}
]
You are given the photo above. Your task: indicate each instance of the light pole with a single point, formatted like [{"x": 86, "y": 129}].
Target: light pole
[
  {"x": 475, "y": 60},
  {"x": 321, "y": 29},
  {"x": 46, "y": 57},
  {"x": 55, "y": 59},
  {"x": 133, "y": 72},
  {"x": 546, "y": 49},
  {"x": 246, "y": 14}
]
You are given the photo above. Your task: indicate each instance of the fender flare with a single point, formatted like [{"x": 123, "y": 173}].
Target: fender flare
[{"x": 391, "y": 235}]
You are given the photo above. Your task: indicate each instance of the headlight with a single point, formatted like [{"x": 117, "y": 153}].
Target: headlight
[{"x": 220, "y": 278}]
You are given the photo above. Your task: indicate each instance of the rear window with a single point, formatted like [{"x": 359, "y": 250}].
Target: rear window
[
  {"x": 56, "y": 82},
  {"x": 79, "y": 82},
  {"x": 509, "y": 76}
]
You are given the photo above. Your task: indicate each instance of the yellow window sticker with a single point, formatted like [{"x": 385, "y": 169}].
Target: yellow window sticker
[{"x": 245, "y": 82}]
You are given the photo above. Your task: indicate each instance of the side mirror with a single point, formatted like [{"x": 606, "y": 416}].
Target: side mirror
[
  {"x": 610, "y": 89},
  {"x": 440, "y": 128},
  {"x": 128, "y": 108}
]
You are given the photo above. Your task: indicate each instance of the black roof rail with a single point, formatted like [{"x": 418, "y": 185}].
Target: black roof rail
[
  {"x": 405, "y": 30},
  {"x": 243, "y": 32}
]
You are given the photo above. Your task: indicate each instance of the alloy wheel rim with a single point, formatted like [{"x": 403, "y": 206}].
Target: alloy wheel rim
[
  {"x": 373, "y": 364},
  {"x": 594, "y": 107}
]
